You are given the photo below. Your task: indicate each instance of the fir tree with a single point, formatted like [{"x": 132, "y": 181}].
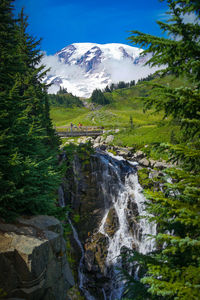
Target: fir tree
[
  {"x": 29, "y": 173},
  {"x": 99, "y": 98},
  {"x": 172, "y": 271}
]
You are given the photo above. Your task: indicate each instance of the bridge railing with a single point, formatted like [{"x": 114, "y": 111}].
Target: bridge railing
[
  {"x": 79, "y": 133},
  {"x": 77, "y": 128}
]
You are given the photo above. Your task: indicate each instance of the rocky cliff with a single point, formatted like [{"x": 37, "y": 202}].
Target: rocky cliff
[{"x": 33, "y": 260}]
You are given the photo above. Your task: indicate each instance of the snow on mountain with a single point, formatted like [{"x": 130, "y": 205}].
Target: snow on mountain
[{"x": 83, "y": 67}]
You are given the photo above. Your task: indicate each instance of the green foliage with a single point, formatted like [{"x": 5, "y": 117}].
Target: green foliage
[
  {"x": 172, "y": 271},
  {"x": 76, "y": 218},
  {"x": 119, "y": 85},
  {"x": 29, "y": 175},
  {"x": 62, "y": 98},
  {"x": 99, "y": 98}
]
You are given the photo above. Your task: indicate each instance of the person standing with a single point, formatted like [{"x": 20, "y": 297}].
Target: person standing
[{"x": 71, "y": 125}]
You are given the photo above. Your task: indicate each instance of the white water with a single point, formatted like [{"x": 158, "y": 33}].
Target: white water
[
  {"x": 124, "y": 237},
  {"x": 119, "y": 186},
  {"x": 82, "y": 277},
  {"x": 61, "y": 198}
]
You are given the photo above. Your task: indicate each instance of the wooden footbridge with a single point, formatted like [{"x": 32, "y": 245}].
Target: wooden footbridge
[{"x": 67, "y": 131}]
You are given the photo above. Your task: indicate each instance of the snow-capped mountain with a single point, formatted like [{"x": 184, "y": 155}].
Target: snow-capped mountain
[{"x": 83, "y": 67}]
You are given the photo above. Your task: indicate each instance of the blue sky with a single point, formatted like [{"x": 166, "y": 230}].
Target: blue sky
[{"x": 63, "y": 22}]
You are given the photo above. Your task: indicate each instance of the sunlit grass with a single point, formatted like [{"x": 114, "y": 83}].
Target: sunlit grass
[
  {"x": 64, "y": 116},
  {"x": 149, "y": 127}
]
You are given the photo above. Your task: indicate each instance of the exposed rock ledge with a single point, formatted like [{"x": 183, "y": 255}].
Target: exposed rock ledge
[{"x": 33, "y": 262}]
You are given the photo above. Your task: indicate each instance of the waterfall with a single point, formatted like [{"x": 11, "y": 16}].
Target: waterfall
[
  {"x": 81, "y": 275},
  {"x": 61, "y": 197},
  {"x": 119, "y": 189},
  {"x": 127, "y": 190}
]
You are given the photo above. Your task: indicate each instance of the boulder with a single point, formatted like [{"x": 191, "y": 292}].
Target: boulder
[
  {"x": 33, "y": 259},
  {"x": 152, "y": 163},
  {"x": 96, "y": 145},
  {"x": 144, "y": 162},
  {"x": 161, "y": 165},
  {"x": 98, "y": 139},
  {"x": 139, "y": 155},
  {"x": 109, "y": 139}
]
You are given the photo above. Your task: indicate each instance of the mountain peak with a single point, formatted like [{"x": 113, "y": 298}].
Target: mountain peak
[{"x": 83, "y": 67}]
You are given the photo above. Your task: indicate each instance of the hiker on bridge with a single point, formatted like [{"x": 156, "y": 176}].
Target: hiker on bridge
[
  {"x": 71, "y": 125},
  {"x": 80, "y": 125}
]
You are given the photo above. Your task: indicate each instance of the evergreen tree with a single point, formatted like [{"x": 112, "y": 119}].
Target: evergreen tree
[
  {"x": 62, "y": 91},
  {"x": 121, "y": 85},
  {"x": 173, "y": 270},
  {"x": 99, "y": 98},
  {"x": 107, "y": 89},
  {"x": 29, "y": 175},
  {"x": 132, "y": 83}
]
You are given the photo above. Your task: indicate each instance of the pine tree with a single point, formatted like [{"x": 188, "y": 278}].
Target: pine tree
[
  {"x": 173, "y": 270},
  {"x": 99, "y": 98},
  {"x": 29, "y": 174}
]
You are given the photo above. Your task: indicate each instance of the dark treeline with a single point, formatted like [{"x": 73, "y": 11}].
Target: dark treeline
[
  {"x": 65, "y": 99},
  {"x": 119, "y": 85},
  {"x": 98, "y": 97},
  {"x": 122, "y": 84},
  {"x": 29, "y": 175},
  {"x": 148, "y": 78}
]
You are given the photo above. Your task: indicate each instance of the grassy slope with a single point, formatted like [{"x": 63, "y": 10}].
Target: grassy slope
[{"x": 148, "y": 127}]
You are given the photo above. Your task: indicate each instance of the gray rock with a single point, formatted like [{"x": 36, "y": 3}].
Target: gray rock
[
  {"x": 33, "y": 259},
  {"x": 112, "y": 222},
  {"x": 139, "y": 154},
  {"x": 109, "y": 139},
  {"x": 96, "y": 145},
  {"x": 42, "y": 223},
  {"x": 98, "y": 139},
  {"x": 144, "y": 162},
  {"x": 152, "y": 162},
  {"x": 89, "y": 259},
  {"x": 161, "y": 165}
]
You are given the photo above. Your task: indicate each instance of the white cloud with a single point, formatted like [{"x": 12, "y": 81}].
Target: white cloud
[
  {"x": 62, "y": 70},
  {"x": 126, "y": 71},
  {"x": 78, "y": 82},
  {"x": 190, "y": 18}
]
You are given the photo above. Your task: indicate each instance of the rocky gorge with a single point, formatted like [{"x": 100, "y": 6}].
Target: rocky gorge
[
  {"x": 106, "y": 205},
  {"x": 103, "y": 188}
]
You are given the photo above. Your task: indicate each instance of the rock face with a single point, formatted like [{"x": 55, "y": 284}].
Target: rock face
[
  {"x": 97, "y": 184},
  {"x": 33, "y": 262},
  {"x": 112, "y": 222}
]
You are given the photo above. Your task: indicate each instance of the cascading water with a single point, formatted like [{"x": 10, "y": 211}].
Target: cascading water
[
  {"x": 81, "y": 275},
  {"x": 122, "y": 196},
  {"x": 128, "y": 190}
]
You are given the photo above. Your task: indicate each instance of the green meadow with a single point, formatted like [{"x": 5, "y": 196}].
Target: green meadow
[{"x": 148, "y": 127}]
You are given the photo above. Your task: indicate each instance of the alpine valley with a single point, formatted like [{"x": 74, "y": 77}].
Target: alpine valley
[{"x": 82, "y": 67}]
